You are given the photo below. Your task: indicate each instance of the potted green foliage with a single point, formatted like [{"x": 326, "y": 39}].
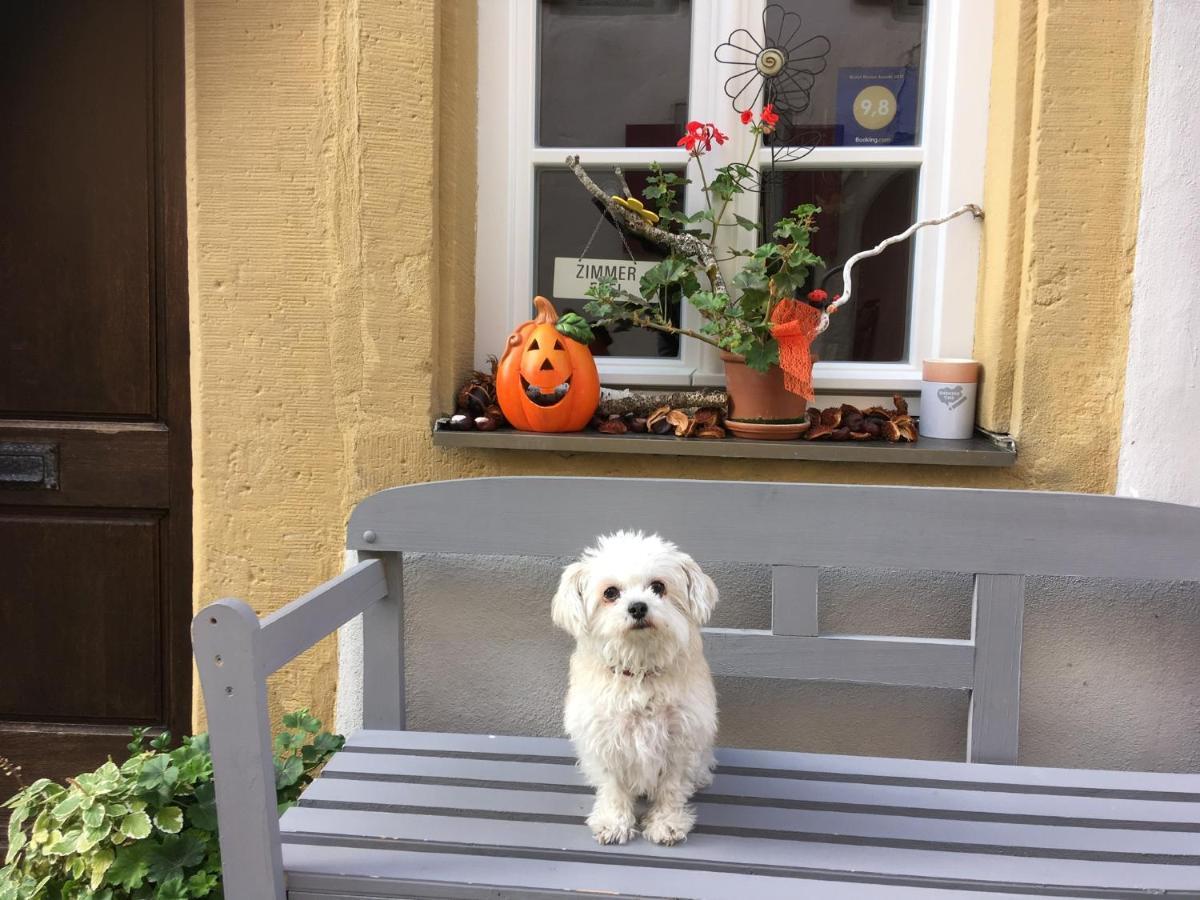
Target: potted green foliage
[
  {"x": 746, "y": 324},
  {"x": 143, "y": 829}
]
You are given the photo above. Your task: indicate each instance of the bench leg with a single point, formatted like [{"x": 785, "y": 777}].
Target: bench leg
[{"x": 225, "y": 637}]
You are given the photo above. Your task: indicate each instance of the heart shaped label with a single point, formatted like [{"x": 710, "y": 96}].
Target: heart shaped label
[{"x": 952, "y": 396}]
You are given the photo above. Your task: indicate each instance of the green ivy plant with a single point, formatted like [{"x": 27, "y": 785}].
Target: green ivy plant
[
  {"x": 776, "y": 270},
  {"x": 144, "y": 829}
]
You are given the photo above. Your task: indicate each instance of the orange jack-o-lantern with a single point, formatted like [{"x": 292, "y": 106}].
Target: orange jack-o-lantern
[{"x": 545, "y": 380}]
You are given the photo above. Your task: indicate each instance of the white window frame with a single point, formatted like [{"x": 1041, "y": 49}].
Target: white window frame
[{"x": 957, "y": 58}]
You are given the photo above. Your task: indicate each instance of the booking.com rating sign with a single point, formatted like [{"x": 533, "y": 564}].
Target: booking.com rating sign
[{"x": 877, "y": 106}]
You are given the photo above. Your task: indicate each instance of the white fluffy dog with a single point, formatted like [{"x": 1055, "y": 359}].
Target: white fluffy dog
[{"x": 641, "y": 708}]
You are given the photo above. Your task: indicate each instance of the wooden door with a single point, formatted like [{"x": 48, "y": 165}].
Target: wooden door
[{"x": 95, "y": 520}]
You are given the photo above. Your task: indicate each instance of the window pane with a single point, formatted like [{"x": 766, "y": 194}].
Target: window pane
[
  {"x": 840, "y": 72},
  {"x": 571, "y": 250},
  {"x": 613, "y": 73},
  {"x": 859, "y": 208}
]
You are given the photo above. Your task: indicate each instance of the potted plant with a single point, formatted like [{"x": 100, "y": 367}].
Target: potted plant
[
  {"x": 765, "y": 326},
  {"x": 747, "y": 324},
  {"x": 143, "y": 829}
]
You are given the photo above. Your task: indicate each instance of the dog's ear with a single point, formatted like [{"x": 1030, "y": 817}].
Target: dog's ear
[
  {"x": 702, "y": 592},
  {"x": 566, "y": 609}
]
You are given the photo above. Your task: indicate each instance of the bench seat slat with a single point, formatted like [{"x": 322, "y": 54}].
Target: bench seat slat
[
  {"x": 748, "y": 855},
  {"x": 789, "y": 791},
  {"x": 982, "y": 774},
  {"x": 371, "y": 873},
  {"x": 342, "y": 793}
]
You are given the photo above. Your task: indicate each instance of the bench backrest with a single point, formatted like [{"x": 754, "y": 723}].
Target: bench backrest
[{"x": 999, "y": 536}]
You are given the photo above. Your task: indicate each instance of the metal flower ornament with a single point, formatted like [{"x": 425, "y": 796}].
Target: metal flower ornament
[{"x": 778, "y": 70}]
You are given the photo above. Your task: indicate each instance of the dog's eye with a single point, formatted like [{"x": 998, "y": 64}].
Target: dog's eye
[
  {"x": 611, "y": 594},
  {"x": 658, "y": 587}
]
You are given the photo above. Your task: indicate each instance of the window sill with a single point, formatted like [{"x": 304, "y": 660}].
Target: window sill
[{"x": 980, "y": 450}]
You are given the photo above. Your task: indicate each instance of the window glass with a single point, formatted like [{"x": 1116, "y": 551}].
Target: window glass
[
  {"x": 575, "y": 246},
  {"x": 845, "y": 73},
  {"x": 613, "y": 73},
  {"x": 859, "y": 208}
]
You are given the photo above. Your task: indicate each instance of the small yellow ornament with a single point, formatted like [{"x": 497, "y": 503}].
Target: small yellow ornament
[{"x": 635, "y": 206}]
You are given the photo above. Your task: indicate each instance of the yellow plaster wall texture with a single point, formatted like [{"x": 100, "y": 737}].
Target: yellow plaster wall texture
[{"x": 331, "y": 218}]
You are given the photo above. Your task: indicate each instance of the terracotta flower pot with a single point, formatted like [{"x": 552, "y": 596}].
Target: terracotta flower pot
[{"x": 759, "y": 396}]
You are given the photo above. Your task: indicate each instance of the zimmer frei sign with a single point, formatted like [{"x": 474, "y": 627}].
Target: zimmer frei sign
[{"x": 573, "y": 276}]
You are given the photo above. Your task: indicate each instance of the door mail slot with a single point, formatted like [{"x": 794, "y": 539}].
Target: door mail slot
[{"x": 26, "y": 465}]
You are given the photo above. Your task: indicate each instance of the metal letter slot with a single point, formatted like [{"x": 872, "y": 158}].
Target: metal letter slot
[{"x": 28, "y": 465}]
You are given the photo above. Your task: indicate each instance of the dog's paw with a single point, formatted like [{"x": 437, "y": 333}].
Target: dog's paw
[
  {"x": 611, "y": 829},
  {"x": 669, "y": 827}
]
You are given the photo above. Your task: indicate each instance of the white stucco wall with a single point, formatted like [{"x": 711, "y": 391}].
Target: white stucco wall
[{"x": 1162, "y": 384}]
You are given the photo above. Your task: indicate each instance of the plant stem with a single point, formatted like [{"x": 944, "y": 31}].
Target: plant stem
[
  {"x": 707, "y": 196},
  {"x": 712, "y": 242},
  {"x": 672, "y": 329}
]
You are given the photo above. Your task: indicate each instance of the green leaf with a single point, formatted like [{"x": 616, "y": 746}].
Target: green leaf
[
  {"x": 63, "y": 844},
  {"x": 748, "y": 224},
  {"x": 288, "y": 772},
  {"x": 91, "y": 837},
  {"x": 172, "y": 889},
  {"x": 169, "y": 819},
  {"x": 752, "y": 277},
  {"x": 135, "y": 825},
  {"x": 203, "y": 813},
  {"x": 202, "y": 884},
  {"x": 158, "y": 773},
  {"x": 328, "y": 743},
  {"x": 63, "y": 810},
  {"x": 129, "y": 869},
  {"x": 574, "y": 326},
  {"x": 101, "y": 861},
  {"x": 93, "y": 816},
  {"x": 708, "y": 302},
  {"x": 761, "y": 357},
  {"x": 176, "y": 853}
]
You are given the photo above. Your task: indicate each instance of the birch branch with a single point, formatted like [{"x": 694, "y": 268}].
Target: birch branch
[
  {"x": 879, "y": 248},
  {"x": 624, "y": 184},
  {"x": 685, "y": 244}
]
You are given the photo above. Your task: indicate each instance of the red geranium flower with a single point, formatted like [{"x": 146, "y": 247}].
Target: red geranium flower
[
  {"x": 769, "y": 116},
  {"x": 747, "y": 117},
  {"x": 700, "y": 136},
  {"x": 818, "y": 296},
  {"x": 693, "y": 137}
]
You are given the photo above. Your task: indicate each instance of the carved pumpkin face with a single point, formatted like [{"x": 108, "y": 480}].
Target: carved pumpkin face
[{"x": 545, "y": 380}]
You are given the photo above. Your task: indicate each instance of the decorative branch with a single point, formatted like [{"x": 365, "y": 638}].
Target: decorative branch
[
  {"x": 624, "y": 184},
  {"x": 685, "y": 244},
  {"x": 879, "y": 248}
]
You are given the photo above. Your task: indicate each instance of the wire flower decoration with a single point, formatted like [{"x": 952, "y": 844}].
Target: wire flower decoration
[{"x": 780, "y": 69}]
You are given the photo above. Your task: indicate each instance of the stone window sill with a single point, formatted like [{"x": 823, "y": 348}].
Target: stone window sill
[{"x": 980, "y": 450}]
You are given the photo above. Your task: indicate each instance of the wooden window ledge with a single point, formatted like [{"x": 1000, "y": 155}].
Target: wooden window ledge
[{"x": 980, "y": 450}]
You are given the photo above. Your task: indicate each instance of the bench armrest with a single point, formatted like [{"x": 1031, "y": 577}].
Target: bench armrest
[{"x": 235, "y": 653}]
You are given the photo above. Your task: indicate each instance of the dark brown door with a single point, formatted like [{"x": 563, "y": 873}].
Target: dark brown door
[{"x": 95, "y": 523}]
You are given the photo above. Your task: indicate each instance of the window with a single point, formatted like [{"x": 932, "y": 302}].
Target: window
[{"x": 615, "y": 81}]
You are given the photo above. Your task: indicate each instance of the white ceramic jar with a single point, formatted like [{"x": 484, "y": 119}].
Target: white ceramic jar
[{"x": 948, "y": 390}]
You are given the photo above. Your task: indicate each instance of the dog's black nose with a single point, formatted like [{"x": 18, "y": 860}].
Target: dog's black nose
[{"x": 638, "y": 610}]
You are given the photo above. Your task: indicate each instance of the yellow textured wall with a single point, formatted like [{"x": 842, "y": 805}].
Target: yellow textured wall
[{"x": 331, "y": 225}]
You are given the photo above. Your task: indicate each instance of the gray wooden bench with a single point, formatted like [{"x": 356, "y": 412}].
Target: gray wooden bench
[{"x": 409, "y": 814}]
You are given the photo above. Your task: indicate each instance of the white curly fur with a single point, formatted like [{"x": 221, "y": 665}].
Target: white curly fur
[{"x": 641, "y": 708}]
